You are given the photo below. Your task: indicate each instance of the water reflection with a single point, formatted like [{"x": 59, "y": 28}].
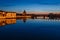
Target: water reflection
[
  {"x": 24, "y": 18},
  {"x": 4, "y": 22},
  {"x": 7, "y": 21}
]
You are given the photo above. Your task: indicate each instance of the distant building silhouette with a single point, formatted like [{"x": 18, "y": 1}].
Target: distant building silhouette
[{"x": 24, "y": 12}]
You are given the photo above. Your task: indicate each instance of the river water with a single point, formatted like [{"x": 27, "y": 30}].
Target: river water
[{"x": 30, "y": 29}]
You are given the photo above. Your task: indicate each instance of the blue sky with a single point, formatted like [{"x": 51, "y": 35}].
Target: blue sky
[{"x": 30, "y": 5}]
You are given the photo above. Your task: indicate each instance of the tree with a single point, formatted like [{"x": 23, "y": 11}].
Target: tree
[{"x": 51, "y": 16}]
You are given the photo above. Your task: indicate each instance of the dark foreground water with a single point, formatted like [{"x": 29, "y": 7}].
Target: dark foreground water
[{"x": 31, "y": 29}]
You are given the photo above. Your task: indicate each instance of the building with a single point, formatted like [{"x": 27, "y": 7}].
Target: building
[
  {"x": 10, "y": 14},
  {"x": 4, "y": 14},
  {"x": 24, "y": 13}
]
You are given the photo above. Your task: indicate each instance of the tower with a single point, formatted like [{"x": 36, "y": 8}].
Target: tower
[{"x": 24, "y": 12}]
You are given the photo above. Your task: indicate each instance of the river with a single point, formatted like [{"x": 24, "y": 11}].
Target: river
[{"x": 29, "y": 29}]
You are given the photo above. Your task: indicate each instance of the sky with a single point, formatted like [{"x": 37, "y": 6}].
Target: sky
[{"x": 30, "y": 5}]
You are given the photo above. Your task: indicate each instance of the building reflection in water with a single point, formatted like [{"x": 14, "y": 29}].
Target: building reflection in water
[
  {"x": 24, "y": 18},
  {"x": 4, "y": 22},
  {"x": 7, "y": 21}
]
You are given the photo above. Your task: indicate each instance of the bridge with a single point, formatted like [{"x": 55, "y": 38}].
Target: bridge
[
  {"x": 39, "y": 15},
  {"x": 32, "y": 15}
]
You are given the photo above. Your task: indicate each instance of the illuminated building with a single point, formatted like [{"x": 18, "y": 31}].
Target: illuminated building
[
  {"x": 4, "y": 14},
  {"x": 10, "y": 14}
]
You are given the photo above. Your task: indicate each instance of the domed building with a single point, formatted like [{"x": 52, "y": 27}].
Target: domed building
[{"x": 24, "y": 13}]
